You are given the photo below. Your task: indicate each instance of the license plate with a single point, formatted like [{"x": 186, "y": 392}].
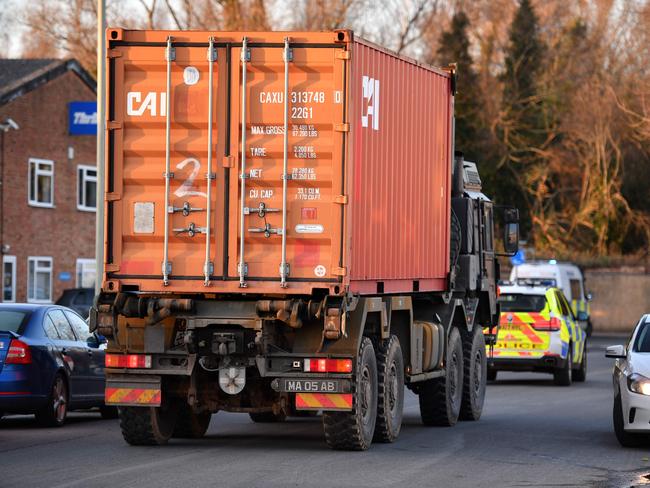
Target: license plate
[{"x": 290, "y": 385}]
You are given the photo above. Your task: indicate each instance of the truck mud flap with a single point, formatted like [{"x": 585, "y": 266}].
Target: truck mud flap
[
  {"x": 323, "y": 401},
  {"x": 133, "y": 391}
]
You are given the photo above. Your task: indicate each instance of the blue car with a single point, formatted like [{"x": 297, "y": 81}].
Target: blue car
[{"x": 50, "y": 363}]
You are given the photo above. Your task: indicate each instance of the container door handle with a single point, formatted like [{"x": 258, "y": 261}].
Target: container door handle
[
  {"x": 284, "y": 266},
  {"x": 170, "y": 55},
  {"x": 208, "y": 266},
  {"x": 242, "y": 267}
]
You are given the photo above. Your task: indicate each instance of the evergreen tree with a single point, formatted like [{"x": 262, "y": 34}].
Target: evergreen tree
[
  {"x": 523, "y": 129},
  {"x": 454, "y": 48}
]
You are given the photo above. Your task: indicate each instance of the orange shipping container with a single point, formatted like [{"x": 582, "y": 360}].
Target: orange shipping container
[{"x": 274, "y": 163}]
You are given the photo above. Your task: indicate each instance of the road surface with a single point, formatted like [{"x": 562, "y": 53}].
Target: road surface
[{"x": 532, "y": 434}]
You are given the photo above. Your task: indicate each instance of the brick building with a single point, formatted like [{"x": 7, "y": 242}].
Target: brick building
[{"x": 48, "y": 178}]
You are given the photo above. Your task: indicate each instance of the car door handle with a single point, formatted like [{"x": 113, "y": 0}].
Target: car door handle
[{"x": 90, "y": 353}]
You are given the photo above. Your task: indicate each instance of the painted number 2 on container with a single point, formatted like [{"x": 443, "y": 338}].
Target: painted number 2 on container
[{"x": 370, "y": 102}]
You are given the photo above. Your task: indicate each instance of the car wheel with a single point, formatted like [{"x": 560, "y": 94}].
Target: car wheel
[
  {"x": 562, "y": 375},
  {"x": 626, "y": 439},
  {"x": 108, "y": 412},
  {"x": 53, "y": 414},
  {"x": 580, "y": 374}
]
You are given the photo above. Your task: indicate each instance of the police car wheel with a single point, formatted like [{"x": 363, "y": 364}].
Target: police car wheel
[
  {"x": 625, "y": 439},
  {"x": 562, "y": 376},
  {"x": 474, "y": 374},
  {"x": 580, "y": 373}
]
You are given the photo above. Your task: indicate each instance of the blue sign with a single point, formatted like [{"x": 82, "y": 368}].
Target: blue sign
[
  {"x": 82, "y": 118},
  {"x": 519, "y": 258},
  {"x": 65, "y": 276}
]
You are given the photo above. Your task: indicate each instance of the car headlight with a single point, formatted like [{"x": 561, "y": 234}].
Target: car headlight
[{"x": 639, "y": 384}]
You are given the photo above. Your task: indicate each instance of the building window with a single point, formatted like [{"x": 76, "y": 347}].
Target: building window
[
  {"x": 39, "y": 279},
  {"x": 8, "y": 278},
  {"x": 87, "y": 188},
  {"x": 41, "y": 183},
  {"x": 86, "y": 273}
]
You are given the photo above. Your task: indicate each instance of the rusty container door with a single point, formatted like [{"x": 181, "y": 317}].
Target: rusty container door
[
  {"x": 401, "y": 151},
  {"x": 300, "y": 174},
  {"x": 164, "y": 215},
  {"x": 186, "y": 134}
]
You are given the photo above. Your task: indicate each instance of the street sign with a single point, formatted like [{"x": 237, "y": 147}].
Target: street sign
[{"x": 82, "y": 118}]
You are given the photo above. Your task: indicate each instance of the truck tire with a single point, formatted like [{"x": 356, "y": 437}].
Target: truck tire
[
  {"x": 147, "y": 426},
  {"x": 267, "y": 417},
  {"x": 191, "y": 425},
  {"x": 474, "y": 374},
  {"x": 562, "y": 375},
  {"x": 440, "y": 398},
  {"x": 353, "y": 431},
  {"x": 390, "y": 397},
  {"x": 580, "y": 373}
]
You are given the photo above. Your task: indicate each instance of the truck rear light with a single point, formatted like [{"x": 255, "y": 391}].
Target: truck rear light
[
  {"x": 18, "y": 353},
  {"x": 553, "y": 324},
  {"x": 136, "y": 361},
  {"x": 322, "y": 365}
]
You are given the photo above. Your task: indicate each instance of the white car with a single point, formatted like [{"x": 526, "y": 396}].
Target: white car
[{"x": 632, "y": 386}]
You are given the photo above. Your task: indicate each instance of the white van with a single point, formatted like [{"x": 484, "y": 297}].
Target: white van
[{"x": 565, "y": 276}]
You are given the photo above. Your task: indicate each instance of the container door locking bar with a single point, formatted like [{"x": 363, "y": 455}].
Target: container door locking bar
[
  {"x": 267, "y": 230},
  {"x": 170, "y": 55},
  {"x": 186, "y": 209},
  {"x": 192, "y": 230},
  {"x": 284, "y": 266},
  {"x": 261, "y": 210},
  {"x": 208, "y": 266},
  {"x": 242, "y": 267}
]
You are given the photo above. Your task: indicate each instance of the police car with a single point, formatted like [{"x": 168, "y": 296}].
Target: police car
[
  {"x": 567, "y": 277},
  {"x": 538, "y": 332}
]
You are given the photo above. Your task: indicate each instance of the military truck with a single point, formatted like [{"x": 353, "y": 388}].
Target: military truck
[{"x": 288, "y": 232}]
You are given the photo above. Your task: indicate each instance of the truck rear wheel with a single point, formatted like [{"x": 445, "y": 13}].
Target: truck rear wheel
[
  {"x": 147, "y": 426},
  {"x": 353, "y": 431},
  {"x": 474, "y": 374},
  {"x": 267, "y": 417},
  {"x": 191, "y": 425},
  {"x": 440, "y": 398},
  {"x": 390, "y": 398}
]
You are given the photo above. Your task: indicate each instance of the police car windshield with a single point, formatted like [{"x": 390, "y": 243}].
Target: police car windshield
[
  {"x": 515, "y": 302},
  {"x": 642, "y": 342}
]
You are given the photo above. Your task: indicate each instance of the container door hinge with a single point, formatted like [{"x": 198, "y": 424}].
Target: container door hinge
[
  {"x": 341, "y": 199},
  {"x": 228, "y": 162},
  {"x": 114, "y": 53},
  {"x": 344, "y": 127},
  {"x": 113, "y": 125},
  {"x": 111, "y": 268},
  {"x": 111, "y": 197},
  {"x": 342, "y": 54},
  {"x": 340, "y": 271}
]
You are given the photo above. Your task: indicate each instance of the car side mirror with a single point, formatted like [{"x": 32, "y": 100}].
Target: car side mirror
[
  {"x": 615, "y": 352},
  {"x": 511, "y": 238},
  {"x": 582, "y": 316},
  {"x": 93, "y": 341}
]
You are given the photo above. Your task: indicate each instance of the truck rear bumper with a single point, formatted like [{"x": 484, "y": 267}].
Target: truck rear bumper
[{"x": 133, "y": 390}]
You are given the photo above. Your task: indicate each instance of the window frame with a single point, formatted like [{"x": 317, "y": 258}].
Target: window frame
[
  {"x": 36, "y": 162},
  {"x": 31, "y": 293},
  {"x": 7, "y": 258},
  {"x": 82, "y": 177},
  {"x": 78, "y": 268}
]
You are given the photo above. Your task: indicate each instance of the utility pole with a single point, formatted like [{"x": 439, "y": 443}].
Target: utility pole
[{"x": 101, "y": 122}]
